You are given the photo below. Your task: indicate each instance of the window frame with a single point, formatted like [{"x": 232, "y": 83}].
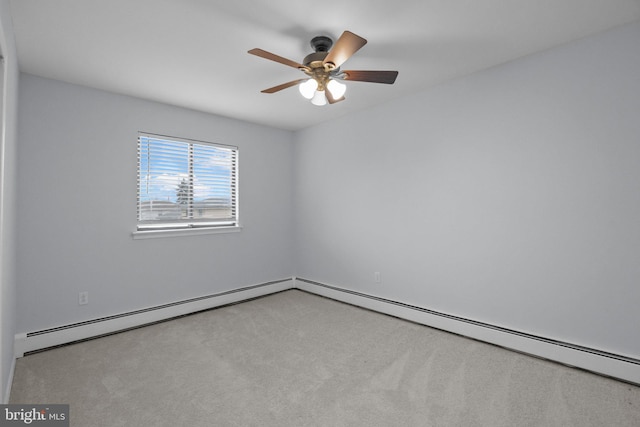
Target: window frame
[{"x": 191, "y": 225}]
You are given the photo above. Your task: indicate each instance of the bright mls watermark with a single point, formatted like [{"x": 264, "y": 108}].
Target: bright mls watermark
[{"x": 34, "y": 415}]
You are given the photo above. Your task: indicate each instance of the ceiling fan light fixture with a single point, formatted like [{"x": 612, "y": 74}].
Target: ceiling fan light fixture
[
  {"x": 323, "y": 82},
  {"x": 336, "y": 88},
  {"x": 319, "y": 98},
  {"x": 308, "y": 88}
]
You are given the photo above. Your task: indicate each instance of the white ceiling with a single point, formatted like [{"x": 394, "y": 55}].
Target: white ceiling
[{"x": 193, "y": 53}]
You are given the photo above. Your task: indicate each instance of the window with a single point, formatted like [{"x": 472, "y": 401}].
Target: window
[{"x": 184, "y": 184}]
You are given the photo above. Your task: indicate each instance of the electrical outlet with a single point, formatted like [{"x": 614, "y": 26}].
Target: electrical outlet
[
  {"x": 83, "y": 298},
  {"x": 376, "y": 277}
]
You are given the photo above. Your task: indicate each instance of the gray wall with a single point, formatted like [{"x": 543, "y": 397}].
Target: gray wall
[
  {"x": 511, "y": 196},
  {"x": 77, "y": 204},
  {"x": 9, "y": 98}
]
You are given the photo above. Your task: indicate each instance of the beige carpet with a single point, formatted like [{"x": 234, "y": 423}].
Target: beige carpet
[{"x": 295, "y": 359}]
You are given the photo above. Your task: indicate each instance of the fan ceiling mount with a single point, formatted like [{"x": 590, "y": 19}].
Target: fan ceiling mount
[{"x": 322, "y": 67}]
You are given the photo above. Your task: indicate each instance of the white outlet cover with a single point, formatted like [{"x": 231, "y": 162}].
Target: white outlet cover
[{"x": 83, "y": 298}]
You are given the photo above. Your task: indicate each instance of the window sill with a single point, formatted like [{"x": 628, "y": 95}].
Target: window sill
[{"x": 155, "y": 234}]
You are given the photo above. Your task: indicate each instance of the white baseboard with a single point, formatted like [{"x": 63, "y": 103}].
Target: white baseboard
[
  {"x": 38, "y": 340},
  {"x": 604, "y": 363}
]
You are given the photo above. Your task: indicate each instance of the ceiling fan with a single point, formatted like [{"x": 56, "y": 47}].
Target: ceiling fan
[{"x": 323, "y": 69}]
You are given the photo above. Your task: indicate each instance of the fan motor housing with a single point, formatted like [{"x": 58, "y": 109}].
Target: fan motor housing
[
  {"x": 315, "y": 60},
  {"x": 321, "y": 45}
]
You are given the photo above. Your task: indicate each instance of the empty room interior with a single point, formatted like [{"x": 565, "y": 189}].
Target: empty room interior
[{"x": 187, "y": 237}]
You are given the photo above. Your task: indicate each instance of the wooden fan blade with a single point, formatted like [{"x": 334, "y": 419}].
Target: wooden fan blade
[
  {"x": 283, "y": 86},
  {"x": 347, "y": 45},
  {"x": 331, "y": 99},
  {"x": 273, "y": 57},
  {"x": 388, "y": 77}
]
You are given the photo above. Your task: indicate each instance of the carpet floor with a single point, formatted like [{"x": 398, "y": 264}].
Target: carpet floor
[{"x": 296, "y": 359}]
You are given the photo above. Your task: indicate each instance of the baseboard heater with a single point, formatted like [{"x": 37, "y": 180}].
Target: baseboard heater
[
  {"x": 601, "y": 362},
  {"x": 36, "y": 341},
  {"x": 594, "y": 360}
]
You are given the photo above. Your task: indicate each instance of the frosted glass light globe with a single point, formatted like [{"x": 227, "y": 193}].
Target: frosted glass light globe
[
  {"x": 336, "y": 88},
  {"x": 319, "y": 98},
  {"x": 308, "y": 88}
]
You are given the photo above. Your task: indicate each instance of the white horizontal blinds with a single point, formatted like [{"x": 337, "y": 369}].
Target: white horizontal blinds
[{"x": 184, "y": 183}]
